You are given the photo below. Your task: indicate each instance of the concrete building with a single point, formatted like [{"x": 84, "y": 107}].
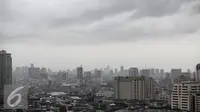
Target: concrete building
[
  {"x": 62, "y": 76},
  {"x": 186, "y": 74},
  {"x": 20, "y": 73},
  {"x": 198, "y": 72},
  {"x": 163, "y": 95},
  {"x": 132, "y": 87},
  {"x": 87, "y": 76},
  {"x": 34, "y": 72},
  {"x": 175, "y": 73},
  {"x": 162, "y": 71},
  {"x": 196, "y": 103},
  {"x": 133, "y": 72},
  {"x": 150, "y": 85},
  {"x": 145, "y": 72},
  {"x": 97, "y": 74},
  {"x": 79, "y": 71},
  {"x": 106, "y": 94},
  {"x": 43, "y": 73},
  {"x": 122, "y": 72},
  {"x": 183, "y": 96},
  {"x": 121, "y": 68},
  {"x": 5, "y": 72}
]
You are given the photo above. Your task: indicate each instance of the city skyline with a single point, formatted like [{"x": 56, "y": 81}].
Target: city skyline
[
  {"x": 105, "y": 68},
  {"x": 99, "y": 55},
  {"x": 60, "y": 34}
]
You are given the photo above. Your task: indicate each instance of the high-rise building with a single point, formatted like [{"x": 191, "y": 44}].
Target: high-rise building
[
  {"x": 5, "y": 72},
  {"x": 79, "y": 71},
  {"x": 145, "y": 72},
  {"x": 185, "y": 96},
  {"x": 87, "y": 76},
  {"x": 34, "y": 72},
  {"x": 152, "y": 72},
  {"x": 133, "y": 72},
  {"x": 122, "y": 72},
  {"x": 122, "y": 69},
  {"x": 157, "y": 71},
  {"x": 132, "y": 87},
  {"x": 175, "y": 73},
  {"x": 198, "y": 72},
  {"x": 43, "y": 73},
  {"x": 62, "y": 76},
  {"x": 162, "y": 71},
  {"x": 150, "y": 85},
  {"x": 98, "y": 74}
]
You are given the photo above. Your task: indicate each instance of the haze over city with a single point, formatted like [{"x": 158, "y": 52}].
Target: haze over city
[
  {"x": 99, "y": 55},
  {"x": 65, "y": 34}
]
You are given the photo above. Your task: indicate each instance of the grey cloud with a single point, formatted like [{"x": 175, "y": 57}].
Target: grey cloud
[
  {"x": 111, "y": 21},
  {"x": 144, "y": 8}
]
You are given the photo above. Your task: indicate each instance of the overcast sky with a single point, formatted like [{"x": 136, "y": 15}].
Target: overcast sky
[{"x": 62, "y": 34}]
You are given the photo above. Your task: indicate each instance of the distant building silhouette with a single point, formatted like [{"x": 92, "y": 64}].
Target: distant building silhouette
[
  {"x": 133, "y": 72},
  {"x": 198, "y": 72},
  {"x": 34, "y": 72},
  {"x": 145, "y": 72},
  {"x": 5, "y": 72},
  {"x": 175, "y": 73},
  {"x": 79, "y": 71}
]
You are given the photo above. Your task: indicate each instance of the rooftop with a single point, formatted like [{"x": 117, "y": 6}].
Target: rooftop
[
  {"x": 198, "y": 66},
  {"x": 3, "y": 52},
  {"x": 130, "y": 78}
]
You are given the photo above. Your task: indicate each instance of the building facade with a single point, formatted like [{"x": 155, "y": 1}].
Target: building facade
[
  {"x": 130, "y": 88},
  {"x": 150, "y": 85},
  {"x": 145, "y": 72},
  {"x": 183, "y": 96},
  {"x": 5, "y": 72},
  {"x": 198, "y": 72},
  {"x": 97, "y": 74},
  {"x": 133, "y": 72},
  {"x": 34, "y": 72},
  {"x": 175, "y": 73},
  {"x": 79, "y": 71},
  {"x": 87, "y": 76}
]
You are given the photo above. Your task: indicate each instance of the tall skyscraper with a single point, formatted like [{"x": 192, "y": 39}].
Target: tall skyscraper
[
  {"x": 133, "y": 72},
  {"x": 79, "y": 71},
  {"x": 175, "y": 73},
  {"x": 5, "y": 72},
  {"x": 198, "y": 72}
]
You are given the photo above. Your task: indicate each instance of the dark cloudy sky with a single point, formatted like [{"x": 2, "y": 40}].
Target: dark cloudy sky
[{"x": 63, "y": 34}]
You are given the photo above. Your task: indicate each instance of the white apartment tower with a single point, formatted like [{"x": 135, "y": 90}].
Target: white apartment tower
[{"x": 185, "y": 96}]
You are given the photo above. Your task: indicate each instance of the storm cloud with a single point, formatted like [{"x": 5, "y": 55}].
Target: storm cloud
[
  {"x": 62, "y": 34},
  {"x": 96, "y": 21}
]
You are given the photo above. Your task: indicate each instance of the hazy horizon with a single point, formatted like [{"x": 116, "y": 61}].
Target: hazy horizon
[{"x": 95, "y": 33}]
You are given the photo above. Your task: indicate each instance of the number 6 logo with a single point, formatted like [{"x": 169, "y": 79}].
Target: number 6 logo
[{"x": 14, "y": 94}]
